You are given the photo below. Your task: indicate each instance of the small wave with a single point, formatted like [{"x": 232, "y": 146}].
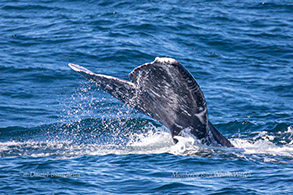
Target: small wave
[
  {"x": 263, "y": 147},
  {"x": 263, "y": 144}
]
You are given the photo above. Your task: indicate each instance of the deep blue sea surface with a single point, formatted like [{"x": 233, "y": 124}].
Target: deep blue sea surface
[{"x": 60, "y": 134}]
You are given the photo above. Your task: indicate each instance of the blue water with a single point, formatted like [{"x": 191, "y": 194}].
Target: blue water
[{"x": 60, "y": 134}]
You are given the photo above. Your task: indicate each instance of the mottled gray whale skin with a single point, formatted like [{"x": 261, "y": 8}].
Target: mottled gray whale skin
[{"x": 167, "y": 92}]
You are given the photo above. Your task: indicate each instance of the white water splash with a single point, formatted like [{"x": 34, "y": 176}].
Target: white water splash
[
  {"x": 154, "y": 141},
  {"x": 263, "y": 143}
]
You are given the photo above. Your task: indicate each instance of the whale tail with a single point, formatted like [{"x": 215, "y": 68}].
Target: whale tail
[{"x": 165, "y": 91}]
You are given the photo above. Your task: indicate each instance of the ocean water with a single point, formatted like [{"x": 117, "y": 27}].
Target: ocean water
[{"x": 59, "y": 134}]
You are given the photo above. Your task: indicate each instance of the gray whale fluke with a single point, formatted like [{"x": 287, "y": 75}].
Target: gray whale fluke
[{"x": 165, "y": 91}]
